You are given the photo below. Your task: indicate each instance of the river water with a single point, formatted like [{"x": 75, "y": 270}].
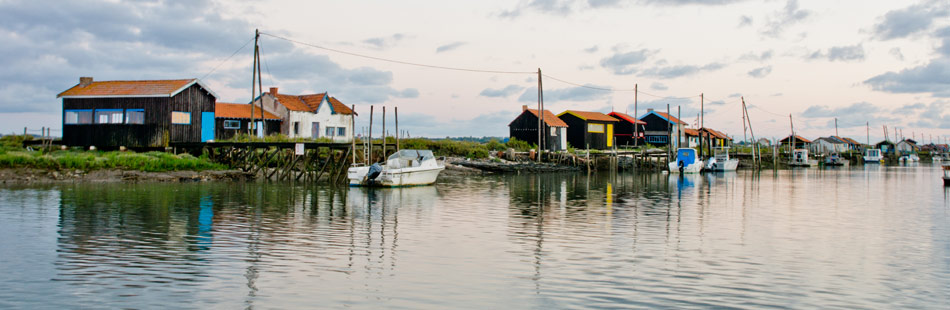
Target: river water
[{"x": 868, "y": 237}]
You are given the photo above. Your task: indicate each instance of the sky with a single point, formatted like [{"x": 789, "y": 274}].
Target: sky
[{"x": 869, "y": 64}]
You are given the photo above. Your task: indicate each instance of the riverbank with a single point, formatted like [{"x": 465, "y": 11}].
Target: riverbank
[{"x": 44, "y": 176}]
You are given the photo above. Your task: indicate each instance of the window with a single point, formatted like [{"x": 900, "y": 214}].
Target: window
[
  {"x": 296, "y": 128},
  {"x": 553, "y": 131},
  {"x": 656, "y": 139},
  {"x": 108, "y": 116},
  {"x": 330, "y": 131},
  {"x": 135, "y": 116},
  {"x": 232, "y": 124},
  {"x": 595, "y": 128},
  {"x": 181, "y": 117},
  {"x": 341, "y": 131},
  {"x": 77, "y": 117}
]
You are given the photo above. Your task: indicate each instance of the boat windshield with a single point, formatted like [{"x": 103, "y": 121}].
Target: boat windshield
[
  {"x": 721, "y": 153},
  {"x": 419, "y": 155},
  {"x": 686, "y": 156}
]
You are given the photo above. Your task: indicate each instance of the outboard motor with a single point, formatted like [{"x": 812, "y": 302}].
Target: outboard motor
[
  {"x": 374, "y": 171},
  {"x": 682, "y": 166}
]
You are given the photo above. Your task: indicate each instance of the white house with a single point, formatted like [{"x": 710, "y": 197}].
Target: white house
[
  {"x": 827, "y": 145},
  {"x": 907, "y": 146},
  {"x": 310, "y": 116}
]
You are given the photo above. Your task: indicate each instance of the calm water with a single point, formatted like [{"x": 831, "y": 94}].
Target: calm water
[{"x": 869, "y": 237}]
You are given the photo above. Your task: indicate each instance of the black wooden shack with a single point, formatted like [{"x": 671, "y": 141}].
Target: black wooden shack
[
  {"x": 109, "y": 114},
  {"x": 660, "y": 127},
  {"x": 624, "y": 131},
  {"x": 592, "y": 130},
  {"x": 233, "y": 118},
  {"x": 525, "y": 128}
]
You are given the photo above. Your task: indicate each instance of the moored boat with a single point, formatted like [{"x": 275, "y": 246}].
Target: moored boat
[
  {"x": 800, "y": 159},
  {"x": 686, "y": 162},
  {"x": 835, "y": 160},
  {"x": 721, "y": 161},
  {"x": 873, "y": 156},
  {"x": 946, "y": 175},
  {"x": 404, "y": 168},
  {"x": 909, "y": 158}
]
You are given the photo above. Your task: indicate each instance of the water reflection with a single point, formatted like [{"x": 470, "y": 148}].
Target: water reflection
[{"x": 814, "y": 238}]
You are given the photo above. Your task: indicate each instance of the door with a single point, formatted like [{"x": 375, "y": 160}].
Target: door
[
  {"x": 563, "y": 138},
  {"x": 315, "y": 130},
  {"x": 610, "y": 135},
  {"x": 207, "y": 126},
  {"x": 260, "y": 129}
]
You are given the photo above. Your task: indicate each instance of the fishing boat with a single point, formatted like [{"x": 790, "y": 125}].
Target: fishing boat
[
  {"x": 873, "y": 156},
  {"x": 404, "y": 168},
  {"x": 800, "y": 159},
  {"x": 946, "y": 175},
  {"x": 835, "y": 160},
  {"x": 686, "y": 162},
  {"x": 721, "y": 161}
]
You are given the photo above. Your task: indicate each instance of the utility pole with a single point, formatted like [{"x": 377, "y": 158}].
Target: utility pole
[
  {"x": 540, "y": 115},
  {"x": 702, "y": 117},
  {"x": 370, "y": 139},
  {"x": 396, "y": 116},
  {"x": 836, "y": 127},
  {"x": 383, "y": 133},
  {"x": 544, "y": 136},
  {"x": 636, "y": 130},
  {"x": 260, "y": 88},
  {"x": 669, "y": 129},
  {"x": 867, "y": 128},
  {"x": 791, "y": 138},
  {"x": 679, "y": 128},
  {"x": 755, "y": 147},
  {"x": 250, "y": 127},
  {"x": 353, "y": 131}
]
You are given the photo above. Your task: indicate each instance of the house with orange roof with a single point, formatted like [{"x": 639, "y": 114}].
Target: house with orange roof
[
  {"x": 525, "y": 128},
  {"x": 661, "y": 129},
  {"x": 233, "y": 118},
  {"x": 624, "y": 132},
  {"x": 310, "y": 116},
  {"x": 591, "y": 130},
  {"x": 140, "y": 113}
]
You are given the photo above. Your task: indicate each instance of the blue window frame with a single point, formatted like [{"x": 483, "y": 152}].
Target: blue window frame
[
  {"x": 135, "y": 116},
  {"x": 656, "y": 139}
]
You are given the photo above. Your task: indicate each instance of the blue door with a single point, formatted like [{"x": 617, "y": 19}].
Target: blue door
[{"x": 207, "y": 126}]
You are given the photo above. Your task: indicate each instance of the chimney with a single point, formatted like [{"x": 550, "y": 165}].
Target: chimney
[
  {"x": 85, "y": 81},
  {"x": 524, "y": 108},
  {"x": 649, "y": 110},
  {"x": 273, "y": 91}
]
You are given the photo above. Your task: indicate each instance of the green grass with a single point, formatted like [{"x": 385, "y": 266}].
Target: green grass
[{"x": 93, "y": 160}]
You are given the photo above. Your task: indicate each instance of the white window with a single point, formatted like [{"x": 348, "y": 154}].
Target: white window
[
  {"x": 330, "y": 131},
  {"x": 135, "y": 116},
  {"x": 232, "y": 124},
  {"x": 181, "y": 117},
  {"x": 341, "y": 131},
  {"x": 553, "y": 131},
  {"x": 109, "y": 116},
  {"x": 77, "y": 117},
  {"x": 595, "y": 128}
]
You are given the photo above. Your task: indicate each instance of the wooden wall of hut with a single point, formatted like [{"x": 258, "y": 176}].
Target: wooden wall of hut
[
  {"x": 525, "y": 128},
  {"x": 579, "y": 137},
  {"x": 158, "y": 111}
]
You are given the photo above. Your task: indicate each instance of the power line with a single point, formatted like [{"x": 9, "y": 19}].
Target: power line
[
  {"x": 395, "y": 61},
  {"x": 226, "y": 59},
  {"x": 615, "y": 89},
  {"x": 270, "y": 77}
]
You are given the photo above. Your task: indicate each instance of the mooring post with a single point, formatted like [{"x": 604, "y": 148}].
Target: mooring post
[{"x": 370, "y": 157}]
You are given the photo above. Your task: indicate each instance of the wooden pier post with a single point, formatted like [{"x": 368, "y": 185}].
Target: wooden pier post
[
  {"x": 396, "y": 116},
  {"x": 370, "y": 157},
  {"x": 353, "y": 131},
  {"x": 384, "y": 134}
]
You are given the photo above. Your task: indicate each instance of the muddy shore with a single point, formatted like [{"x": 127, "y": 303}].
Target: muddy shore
[{"x": 41, "y": 176}]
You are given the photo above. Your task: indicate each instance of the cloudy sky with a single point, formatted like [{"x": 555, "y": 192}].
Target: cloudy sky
[{"x": 882, "y": 62}]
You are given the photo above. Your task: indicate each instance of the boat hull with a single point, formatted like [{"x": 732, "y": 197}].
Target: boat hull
[
  {"x": 691, "y": 168},
  {"x": 946, "y": 181},
  {"x": 417, "y": 176},
  {"x": 728, "y": 165}
]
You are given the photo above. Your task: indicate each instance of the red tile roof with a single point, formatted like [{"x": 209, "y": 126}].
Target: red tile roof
[
  {"x": 717, "y": 134},
  {"x": 293, "y": 103},
  {"x": 626, "y": 117},
  {"x": 848, "y": 140},
  {"x": 239, "y": 110},
  {"x": 670, "y": 118},
  {"x": 691, "y": 132},
  {"x": 340, "y": 108},
  {"x": 785, "y": 140},
  {"x": 590, "y": 116},
  {"x": 148, "y": 88}
]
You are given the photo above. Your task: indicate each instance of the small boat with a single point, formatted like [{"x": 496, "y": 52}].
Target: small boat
[
  {"x": 873, "y": 156},
  {"x": 404, "y": 168},
  {"x": 909, "y": 158},
  {"x": 835, "y": 160},
  {"x": 946, "y": 175},
  {"x": 800, "y": 159},
  {"x": 721, "y": 161},
  {"x": 686, "y": 162}
]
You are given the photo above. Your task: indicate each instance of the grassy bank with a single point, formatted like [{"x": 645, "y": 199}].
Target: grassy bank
[
  {"x": 13, "y": 155},
  {"x": 467, "y": 149}
]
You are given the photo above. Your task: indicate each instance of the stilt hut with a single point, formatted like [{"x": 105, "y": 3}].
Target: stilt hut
[
  {"x": 234, "y": 118},
  {"x": 109, "y": 114},
  {"x": 624, "y": 131},
  {"x": 592, "y": 130},
  {"x": 525, "y": 128}
]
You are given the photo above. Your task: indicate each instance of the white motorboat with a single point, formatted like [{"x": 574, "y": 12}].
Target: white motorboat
[
  {"x": 686, "y": 162},
  {"x": 721, "y": 161},
  {"x": 909, "y": 158},
  {"x": 873, "y": 156},
  {"x": 835, "y": 160},
  {"x": 800, "y": 159},
  {"x": 404, "y": 168},
  {"x": 946, "y": 175}
]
